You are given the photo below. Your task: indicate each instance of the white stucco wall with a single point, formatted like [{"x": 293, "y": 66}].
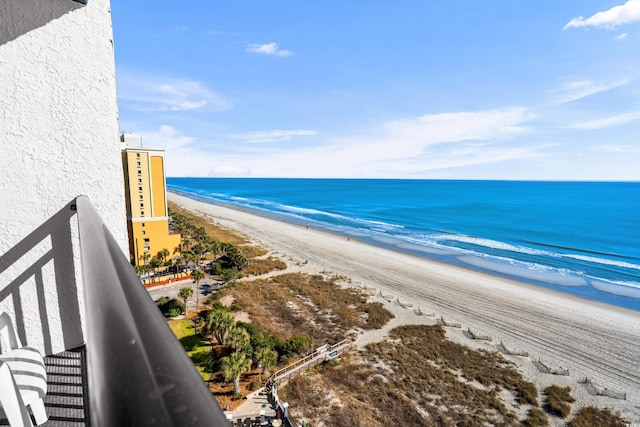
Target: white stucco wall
[{"x": 59, "y": 139}]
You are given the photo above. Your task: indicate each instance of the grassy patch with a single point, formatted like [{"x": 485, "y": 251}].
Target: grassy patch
[
  {"x": 308, "y": 305},
  {"x": 260, "y": 266},
  {"x": 198, "y": 348},
  {"x": 249, "y": 251},
  {"x": 591, "y": 416},
  {"x": 417, "y": 378},
  {"x": 558, "y": 400}
]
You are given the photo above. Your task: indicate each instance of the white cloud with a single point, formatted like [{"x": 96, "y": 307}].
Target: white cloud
[
  {"x": 268, "y": 49},
  {"x": 618, "y": 15},
  {"x": 622, "y": 36},
  {"x": 272, "y": 135},
  {"x": 619, "y": 149},
  {"x": 578, "y": 89},
  {"x": 607, "y": 121},
  {"x": 166, "y": 137},
  {"x": 144, "y": 92},
  {"x": 460, "y": 126}
]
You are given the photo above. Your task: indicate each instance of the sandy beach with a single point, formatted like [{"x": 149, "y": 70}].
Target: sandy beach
[{"x": 587, "y": 338}]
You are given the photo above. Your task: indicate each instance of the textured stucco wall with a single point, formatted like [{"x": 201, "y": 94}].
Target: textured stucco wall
[{"x": 59, "y": 139}]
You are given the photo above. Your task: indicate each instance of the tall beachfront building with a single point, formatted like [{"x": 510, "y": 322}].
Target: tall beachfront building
[{"x": 146, "y": 200}]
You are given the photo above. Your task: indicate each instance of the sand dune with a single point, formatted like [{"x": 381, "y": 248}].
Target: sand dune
[{"x": 590, "y": 339}]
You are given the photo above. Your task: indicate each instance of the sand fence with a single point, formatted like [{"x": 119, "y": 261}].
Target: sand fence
[
  {"x": 545, "y": 368},
  {"x": 598, "y": 390},
  {"x": 443, "y": 322},
  {"x": 475, "y": 335},
  {"x": 511, "y": 351}
]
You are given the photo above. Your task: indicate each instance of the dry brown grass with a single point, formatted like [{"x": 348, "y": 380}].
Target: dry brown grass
[
  {"x": 216, "y": 232},
  {"x": 252, "y": 251},
  {"x": 260, "y": 266},
  {"x": 558, "y": 400},
  {"x": 591, "y": 416},
  {"x": 308, "y": 305},
  {"x": 421, "y": 379}
]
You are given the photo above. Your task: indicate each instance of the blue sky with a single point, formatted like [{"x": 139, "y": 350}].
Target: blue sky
[{"x": 466, "y": 89}]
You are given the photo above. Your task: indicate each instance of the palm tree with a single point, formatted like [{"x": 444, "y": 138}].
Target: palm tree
[
  {"x": 234, "y": 366},
  {"x": 163, "y": 254},
  {"x": 186, "y": 293},
  {"x": 155, "y": 263},
  {"x": 220, "y": 322},
  {"x": 145, "y": 257},
  {"x": 196, "y": 276},
  {"x": 237, "y": 338},
  {"x": 266, "y": 358}
]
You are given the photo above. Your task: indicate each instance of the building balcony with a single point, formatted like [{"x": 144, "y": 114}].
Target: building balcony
[{"x": 111, "y": 358}]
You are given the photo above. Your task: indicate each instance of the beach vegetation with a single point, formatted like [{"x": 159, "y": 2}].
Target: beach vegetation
[
  {"x": 233, "y": 366},
  {"x": 306, "y": 305},
  {"x": 188, "y": 223},
  {"x": 220, "y": 322},
  {"x": 265, "y": 358},
  {"x": 416, "y": 377},
  {"x": 258, "y": 266},
  {"x": 170, "y": 307},
  {"x": 536, "y": 417},
  {"x": 558, "y": 400},
  {"x": 238, "y": 338},
  {"x": 591, "y": 416},
  {"x": 185, "y": 293}
]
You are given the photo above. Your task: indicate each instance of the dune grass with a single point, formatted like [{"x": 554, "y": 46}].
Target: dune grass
[
  {"x": 308, "y": 305},
  {"x": 558, "y": 400},
  {"x": 591, "y": 416},
  {"x": 418, "y": 378}
]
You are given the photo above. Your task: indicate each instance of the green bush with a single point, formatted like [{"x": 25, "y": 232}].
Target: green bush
[
  {"x": 296, "y": 345},
  {"x": 173, "y": 312},
  {"x": 172, "y": 308}
]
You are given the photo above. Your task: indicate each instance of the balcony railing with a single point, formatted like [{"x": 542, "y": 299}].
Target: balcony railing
[{"x": 138, "y": 373}]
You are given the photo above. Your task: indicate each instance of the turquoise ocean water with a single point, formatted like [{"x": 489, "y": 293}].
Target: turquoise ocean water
[{"x": 578, "y": 237}]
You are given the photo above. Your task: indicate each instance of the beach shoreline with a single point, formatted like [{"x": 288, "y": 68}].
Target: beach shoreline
[{"x": 588, "y": 338}]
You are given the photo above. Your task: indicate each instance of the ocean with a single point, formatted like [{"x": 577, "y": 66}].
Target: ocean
[{"x": 582, "y": 238}]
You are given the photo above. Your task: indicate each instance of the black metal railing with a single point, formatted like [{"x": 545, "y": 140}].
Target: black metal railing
[{"x": 139, "y": 374}]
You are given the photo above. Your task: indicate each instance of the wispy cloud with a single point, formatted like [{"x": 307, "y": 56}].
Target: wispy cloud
[
  {"x": 144, "y": 92},
  {"x": 166, "y": 137},
  {"x": 619, "y": 149},
  {"x": 460, "y": 126},
  {"x": 607, "y": 121},
  {"x": 622, "y": 36},
  {"x": 618, "y": 15},
  {"x": 268, "y": 49},
  {"x": 272, "y": 135},
  {"x": 578, "y": 89}
]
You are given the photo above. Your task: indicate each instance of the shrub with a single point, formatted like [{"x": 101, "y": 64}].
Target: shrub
[
  {"x": 296, "y": 345},
  {"x": 173, "y": 312},
  {"x": 558, "y": 399},
  {"x": 377, "y": 315},
  {"x": 172, "y": 308},
  {"x": 591, "y": 416}
]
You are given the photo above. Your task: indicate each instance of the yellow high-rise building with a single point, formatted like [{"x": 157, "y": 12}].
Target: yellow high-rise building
[{"x": 145, "y": 192}]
